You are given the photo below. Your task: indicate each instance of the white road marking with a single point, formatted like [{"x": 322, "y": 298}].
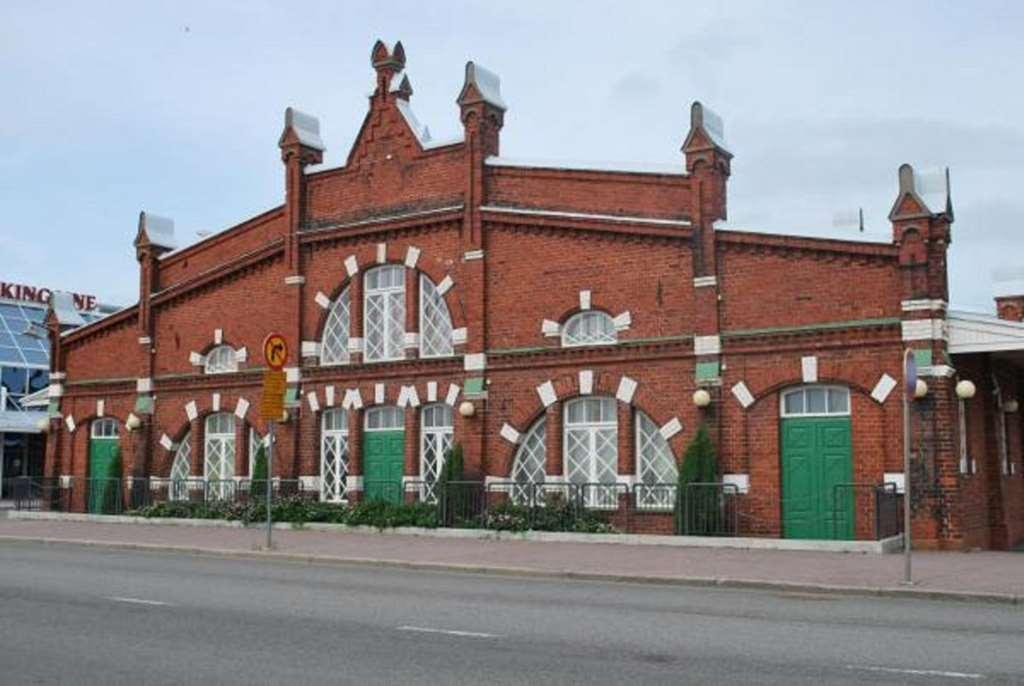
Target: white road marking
[
  {"x": 137, "y": 601},
  {"x": 919, "y": 672},
  {"x": 450, "y": 632}
]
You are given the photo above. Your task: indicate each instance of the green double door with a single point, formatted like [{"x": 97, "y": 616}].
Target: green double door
[
  {"x": 383, "y": 465},
  {"x": 104, "y": 475},
  {"x": 817, "y": 455}
]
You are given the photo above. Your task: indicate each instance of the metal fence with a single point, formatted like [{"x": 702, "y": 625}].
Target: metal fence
[
  {"x": 858, "y": 508},
  {"x": 37, "y": 493}
]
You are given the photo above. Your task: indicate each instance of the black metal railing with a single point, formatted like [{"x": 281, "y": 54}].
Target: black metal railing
[
  {"x": 707, "y": 509},
  {"x": 37, "y": 493},
  {"x": 874, "y": 505}
]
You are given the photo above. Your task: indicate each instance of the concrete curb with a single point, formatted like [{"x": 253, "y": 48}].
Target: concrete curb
[
  {"x": 525, "y": 572},
  {"x": 888, "y": 545}
]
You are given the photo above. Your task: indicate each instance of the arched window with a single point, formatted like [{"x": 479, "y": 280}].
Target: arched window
[
  {"x": 656, "y": 468},
  {"x": 591, "y": 327},
  {"x": 384, "y": 417},
  {"x": 436, "y": 436},
  {"x": 591, "y": 448},
  {"x": 435, "y": 321},
  {"x": 334, "y": 455},
  {"x": 104, "y": 428},
  {"x": 816, "y": 401},
  {"x": 334, "y": 344},
  {"x": 384, "y": 313},
  {"x": 221, "y": 360},
  {"x": 254, "y": 444},
  {"x": 530, "y": 462},
  {"x": 181, "y": 470},
  {"x": 219, "y": 453}
]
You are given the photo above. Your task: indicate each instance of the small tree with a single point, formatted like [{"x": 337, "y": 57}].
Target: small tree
[
  {"x": 452, "y": 495},
  {"x": 258, "y": 478},
  {"x": 699, "y": 507}
]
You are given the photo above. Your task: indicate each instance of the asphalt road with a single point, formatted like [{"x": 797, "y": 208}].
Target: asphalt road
[{"x": 89, "y": 616}]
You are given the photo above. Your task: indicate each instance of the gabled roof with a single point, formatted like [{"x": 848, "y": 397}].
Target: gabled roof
[{"x": 971, "y": 332}]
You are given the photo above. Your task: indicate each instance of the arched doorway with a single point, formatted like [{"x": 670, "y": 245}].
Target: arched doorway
[
  {"x": 384, "y": 453},
  {"x": 817, "y": 456}
]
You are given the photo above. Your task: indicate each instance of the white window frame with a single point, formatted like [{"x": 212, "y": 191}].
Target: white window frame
[
  {"x": 438, "y": 438},
  {"x": 593, "y": 432},
  {"x": 967, "y": 465},
  {"x": 433, "y": 308},
  {"x": 255, "y": 441},
  {"x": 530, "y": 462},
  {"x": 660, "y": 495},
  {"x": 802, "y": 390},
  {"x": 181, "y": 470},
  {"x": 394, "y": 418},
  {"x": 223, "y": 445},
  {"x": 391, "y": 339},
  {"x": 104, "y": 427},
  {"x": 609, "y": 337},
  {"x": 334, "y": 438},
  {"x": 335, "y": 352},
  {"x": 221, "y": 360}
]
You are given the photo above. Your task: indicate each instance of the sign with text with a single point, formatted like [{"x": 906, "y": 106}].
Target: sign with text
[
  {"x": 34, "y": 294},
  {"x": 272, "y": 402}
]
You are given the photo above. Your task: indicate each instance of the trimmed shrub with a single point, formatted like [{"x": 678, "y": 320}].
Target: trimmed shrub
[{"x": 699, "y": 508}]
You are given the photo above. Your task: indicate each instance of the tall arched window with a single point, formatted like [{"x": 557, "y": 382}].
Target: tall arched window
[
  {"x": 591, "y": 327},
  {"x": 436, "y": 436},
  {"x": 384, "y": 313},
  {"x": 334, "y": 455},
  {"x": 435, "y": 321},
  {"x": 591, "y": 447},
  {"x": 530, "y": 462},
  {"x": 334, "y": 344},
  {"x": 221, "y": 360},
  {"x": 656, "y": 468},
  {"x": 256, "y": 441},
  {"x": 181, "y": 470},
  {"x": 219, "y": 453}
]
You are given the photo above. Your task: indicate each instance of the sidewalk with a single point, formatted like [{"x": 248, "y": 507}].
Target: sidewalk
[{"x": 992, "y": 576}]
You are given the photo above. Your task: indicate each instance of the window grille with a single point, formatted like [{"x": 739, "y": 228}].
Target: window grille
[
  {"x": 530, "y": 462},
  {"x": 384, "y": 418},
  {"x": 219, "y": 453},
  {"x": 334, "y": 455},
  {"x": 104, "y": 428},
  {"x": 436, "y": 436},
  {"x": 591, "y": 327},
  {"x": 334, "y": 344},
  {"x": 221, "y": 360},
  {"x": 656, "y": 466},
  {"x": 435, "y": 321},
  {"x": 591, "y": 448},
  {"x": 385, "y": 313},
  {"x": 816, "y": 401},
  {"x": 181, "y": 470}
]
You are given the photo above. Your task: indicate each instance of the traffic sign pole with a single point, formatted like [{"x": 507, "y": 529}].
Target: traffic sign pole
[
  {"x": 272, "y": 433},
  {"x": 275, "y": 352},
  {"x": 909, "y": 390}
]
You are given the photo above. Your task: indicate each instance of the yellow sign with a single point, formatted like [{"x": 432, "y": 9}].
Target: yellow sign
[
  {"x": 272, "y": 402},
  {"x": 275, "y": 351}
]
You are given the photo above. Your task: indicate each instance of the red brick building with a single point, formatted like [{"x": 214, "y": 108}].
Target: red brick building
[{"x": 563, "y": 324}]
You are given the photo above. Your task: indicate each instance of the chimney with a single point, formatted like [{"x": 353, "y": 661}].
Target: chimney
[
  {"x": 1009, "y": 293},
  {"x": 301, "y": 146},
  {"x": 708, "y": 160},
  {"x": 921, "y": 219},
  {"x": 482, "y": 109}
]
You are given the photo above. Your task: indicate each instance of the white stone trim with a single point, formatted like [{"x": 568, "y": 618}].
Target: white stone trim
[
  {"x": 509, "y": 433},
  {"x": 707, "y": 345},
  {"x": 938, "y": 371},
  {"x": 585, "y": 300},
  {"x": 579, "y": 215},
  {"x": 241, "y": 354},
  {"x": 241, "y": 408},
  {"x": 411, "y": 397},
  {"x": 101, "y": 405},
  {"x": 412, "y": 256},
  {"x": 55, "y": 390},
  {"x": 896, "y": 478},
  {"x": 143, "y": 385},
  {"x": 58, "y": 376},
  {"x": 586, "y": 382},
  {"x": 166, "y": 443},
  {"x": 412, "y": 339},
  {"x": 923, "y": 305},
  {"x": 69, "y": 421},
  {"x": 351, "y": 265},
  {"x": 191, "y": 411},
  {"x": 547, "y": 394},
  {"x": 355, "y": 344},
  {"x": 471, "y": 255},
  {"x": 353, "y": 399},
  {"x": 314, "y": 401},
  {"x": 459, "y": 336},
  {"x": 294, "y": 280},
  {"x": 924, "y": 329},
  {"x": 310, "y": 349},
  {"x": 382, "y": 253},
  {"x": 453, "y": 394},
  {"x": 380, "y": 392},
  {"x": 145, "y": 340},
  {"x": 809, "y": 368},
  {"x": 475, "y": 362},
  {"x": 883, "y": 388},
  {"x": 626, "y": 390},
  {"x": 740, "y": 481},
  {"x": 329, "y": 396},
  {"x": 671, "y": 428},
  {"x": 445, "y": 285},
  {"x": 322, "y": 300},
  {"x": 218, "y": 336},
  {"x": 550, "y": 328},
  {"x": 215, "y": 402},
  {"x": 354, "y": 482},
  {"x": 431, "y": 391},
  {"x": 309, "y": 483},
  {"x": 705, "y": 281},
  {"x": 622, "y": 321},
  {"x": 743, "y": 395},
  {"x": 196, "y": 359}
]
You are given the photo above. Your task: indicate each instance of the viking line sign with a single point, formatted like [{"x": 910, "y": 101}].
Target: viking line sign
[{"x": 33, "y": 294}]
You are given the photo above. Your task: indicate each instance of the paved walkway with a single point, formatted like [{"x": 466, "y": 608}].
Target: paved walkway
[{"x": 995, "y": 573}]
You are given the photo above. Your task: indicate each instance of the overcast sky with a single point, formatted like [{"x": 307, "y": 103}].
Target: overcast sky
[{"x": 176, "y": 108}]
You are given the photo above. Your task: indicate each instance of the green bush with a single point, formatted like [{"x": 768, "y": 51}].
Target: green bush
[
  {"x": 258, "y": 484},
  {"x": 698, "y": 508}
]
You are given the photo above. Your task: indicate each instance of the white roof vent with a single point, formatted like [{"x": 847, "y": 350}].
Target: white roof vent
[
  {"x": 306, "y": 128},
  {"x": 486, "y": 83}
]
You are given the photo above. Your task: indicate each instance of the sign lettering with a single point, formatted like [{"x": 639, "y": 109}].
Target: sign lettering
[{"x": 34, "y": 294}]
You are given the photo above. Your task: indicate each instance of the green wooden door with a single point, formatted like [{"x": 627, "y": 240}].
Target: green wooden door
[
  {"x": 383, "y": 465},
  {"x": 817, "y": 454},
  {"x": 104, "y": 487}
]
